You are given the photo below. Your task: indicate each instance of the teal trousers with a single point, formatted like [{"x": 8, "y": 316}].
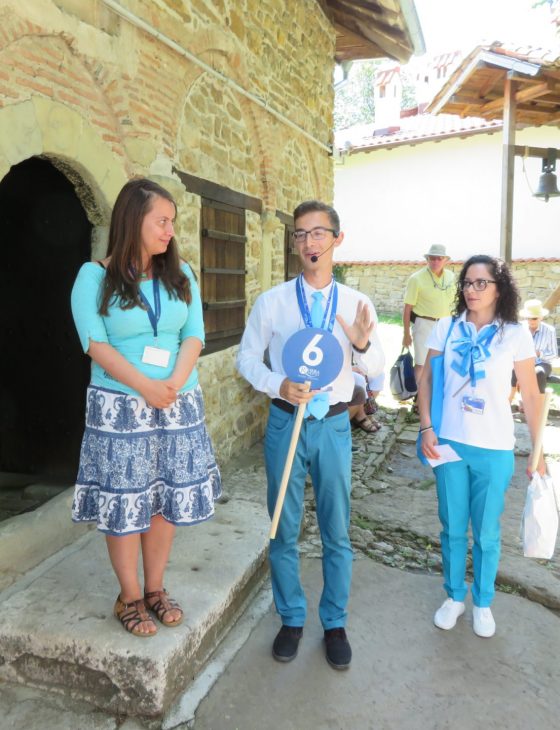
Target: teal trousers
[
  {"x": 472, "y": 490},
  {"x": 324, "y": 450}
]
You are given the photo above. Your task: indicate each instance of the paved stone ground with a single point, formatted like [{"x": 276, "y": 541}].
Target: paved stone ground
[
  {"x": 405, "y": 674},
  {"x": 394, "y": 513}
]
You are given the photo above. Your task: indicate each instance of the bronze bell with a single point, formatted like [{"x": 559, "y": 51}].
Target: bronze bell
[{"x": 547, "y": 187}]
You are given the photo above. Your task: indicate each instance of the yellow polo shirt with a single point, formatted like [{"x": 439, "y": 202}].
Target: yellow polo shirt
[{"x": 430, "y": 295}]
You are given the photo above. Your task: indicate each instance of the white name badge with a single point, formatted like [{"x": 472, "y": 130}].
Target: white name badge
[{"x": 156, "y": 356}]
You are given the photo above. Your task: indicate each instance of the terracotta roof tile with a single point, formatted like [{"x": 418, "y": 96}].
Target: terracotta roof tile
[
  {"x": 415, "y": 129},
  {"x": 532, "y": 54}
]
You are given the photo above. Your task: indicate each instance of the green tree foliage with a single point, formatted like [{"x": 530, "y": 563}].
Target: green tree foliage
[
  {"x": 354, "y": 98},
  {"x": 408, "y": 90},
  {"x": 353, "y": 101}
]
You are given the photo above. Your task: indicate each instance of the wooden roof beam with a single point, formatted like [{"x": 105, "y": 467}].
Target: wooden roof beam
[
  {"x": 524, "y": 95},
  {"x": 534, "y": 92},
  {"x": 398, "y": 49},
  {"x": 493, "y": 77},
  {"x": 542, "y": 152},
  {"x": 361, "y": 18},
  {"x": 365, "y": 10},
  {"x": 348, "y": 42}
]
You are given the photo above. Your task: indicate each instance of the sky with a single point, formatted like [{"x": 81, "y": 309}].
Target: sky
[{"x": 459, "y": 24}]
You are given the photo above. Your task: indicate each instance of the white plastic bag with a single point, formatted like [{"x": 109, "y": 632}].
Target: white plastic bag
[{"x": 539, "y": 523}]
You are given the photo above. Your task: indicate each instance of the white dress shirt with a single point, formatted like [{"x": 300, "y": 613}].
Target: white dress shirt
[{"x": 276, "y": 316}]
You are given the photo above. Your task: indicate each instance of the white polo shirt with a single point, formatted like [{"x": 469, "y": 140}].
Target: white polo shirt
[
  {"x": 493, "y": 429},
  {"x": 274, "y": 319}
]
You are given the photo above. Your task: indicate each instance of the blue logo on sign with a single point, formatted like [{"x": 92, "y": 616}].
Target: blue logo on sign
[{"x": 312, "y": 354}]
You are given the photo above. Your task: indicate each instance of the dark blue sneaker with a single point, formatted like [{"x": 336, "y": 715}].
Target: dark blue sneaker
[
  {"x": 285, "y": 645},
  {"x": 339, "y": 651}
]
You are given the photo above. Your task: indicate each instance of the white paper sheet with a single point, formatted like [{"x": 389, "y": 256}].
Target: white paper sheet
[{"x": 446, "y": 455}]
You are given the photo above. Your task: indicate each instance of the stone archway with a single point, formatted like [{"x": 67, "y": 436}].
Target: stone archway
[
  {"x": 43, "y": 373},
  {"x": 58, "y": 180}
]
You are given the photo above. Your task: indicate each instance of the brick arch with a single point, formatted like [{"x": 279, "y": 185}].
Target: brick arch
[
  {"x": 224, "y": 53},
  {"x": 295, "y": 162},
  {"x": 216, "y": 139},
  {"x": 311, "y": 161},
  {"x": 14, "y": 28},
  {"x": 48, "y": 65},
  {"x": 42, "y": 127}
]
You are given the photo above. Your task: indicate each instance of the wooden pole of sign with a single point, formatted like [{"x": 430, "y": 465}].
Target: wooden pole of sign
[
  {"x": 288, "y": 466},
  {"x": 537, "y": 446}
]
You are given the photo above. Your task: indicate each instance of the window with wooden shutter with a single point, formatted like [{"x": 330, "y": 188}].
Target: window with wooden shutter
[
  {"x": 223, "y": 274},
  {"x": 292, "y": 263}
]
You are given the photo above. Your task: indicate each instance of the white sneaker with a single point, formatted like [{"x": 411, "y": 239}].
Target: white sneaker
[
  {"x": 447, "y": 614},
  {"x": 483, "y": 622}
]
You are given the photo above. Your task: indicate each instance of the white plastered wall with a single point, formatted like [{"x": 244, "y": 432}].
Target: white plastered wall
[{"x": 395, "y": 203}]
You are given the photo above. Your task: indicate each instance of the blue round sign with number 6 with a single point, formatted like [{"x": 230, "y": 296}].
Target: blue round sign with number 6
[{"x": 312, "y": 354}]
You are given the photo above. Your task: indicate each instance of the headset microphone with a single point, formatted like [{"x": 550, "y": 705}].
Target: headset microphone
[{"x": 315, "y": 258}]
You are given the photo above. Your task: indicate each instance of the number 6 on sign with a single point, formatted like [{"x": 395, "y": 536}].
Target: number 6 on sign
[
  {"x": 304, "y": 361},
  {"x": 313, "y": 355}
]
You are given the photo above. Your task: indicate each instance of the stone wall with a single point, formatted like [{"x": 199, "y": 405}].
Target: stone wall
[
  {"x": 104, "y": 100},
  {"x": 385, "y": 281}
]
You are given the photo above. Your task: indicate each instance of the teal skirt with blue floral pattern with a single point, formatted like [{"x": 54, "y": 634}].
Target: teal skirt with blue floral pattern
[{"x": 137, "y": 461}]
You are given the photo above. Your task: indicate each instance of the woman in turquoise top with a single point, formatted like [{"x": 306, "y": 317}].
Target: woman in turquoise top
[{"x": 146, "y": 463}]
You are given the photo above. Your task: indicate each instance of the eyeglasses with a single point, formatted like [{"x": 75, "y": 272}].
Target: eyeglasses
[
  {"x": 317, "y": 234},
  {"x": 477, "y": 284}
]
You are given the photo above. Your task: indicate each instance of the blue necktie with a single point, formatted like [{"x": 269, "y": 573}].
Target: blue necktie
[{"x": 318, "y": 406}]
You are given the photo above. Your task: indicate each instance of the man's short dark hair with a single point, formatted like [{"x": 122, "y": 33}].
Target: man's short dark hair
[{"x": 316, "y": 206}]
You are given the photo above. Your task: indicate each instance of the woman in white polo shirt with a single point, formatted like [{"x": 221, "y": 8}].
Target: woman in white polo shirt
[{"x": 482, "y": 343}]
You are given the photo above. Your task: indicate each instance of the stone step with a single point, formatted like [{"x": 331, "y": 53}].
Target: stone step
[
  {"x": 43, "y": 491},
  {"x": 10, "y": 480},
  {"x": 15, "y": 504},
  {"x": 58, "y": 632}
]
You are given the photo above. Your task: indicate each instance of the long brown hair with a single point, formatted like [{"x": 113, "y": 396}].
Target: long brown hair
[{"x": 121, "y": 284}]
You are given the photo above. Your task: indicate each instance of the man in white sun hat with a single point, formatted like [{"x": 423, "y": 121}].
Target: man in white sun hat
[
  {"x": 544, "y": 339},
  {"x": 429, "y": 296}
]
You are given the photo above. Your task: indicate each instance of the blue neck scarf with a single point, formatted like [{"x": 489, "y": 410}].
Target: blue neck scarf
[{"x": 473, "y": 350}]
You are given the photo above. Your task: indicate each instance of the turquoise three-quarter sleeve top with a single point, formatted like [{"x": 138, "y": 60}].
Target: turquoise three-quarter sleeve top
[{"x": 129, "y": 330}]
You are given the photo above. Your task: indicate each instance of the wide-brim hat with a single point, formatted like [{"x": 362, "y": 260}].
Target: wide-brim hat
[
  {"x": 437, "y": 249},
  {"x": 533, "y": 309}
]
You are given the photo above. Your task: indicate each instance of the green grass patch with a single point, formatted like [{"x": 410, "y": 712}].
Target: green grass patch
[
  {"x": 555, "y": 387},
  {"x": 390, "y": 318},
  {"x": 363, "y": 522}
]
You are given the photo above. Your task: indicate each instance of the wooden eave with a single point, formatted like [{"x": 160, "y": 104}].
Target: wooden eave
[
  {"x": 374, "y": 29},
  {"x": 476, "y": 88}
]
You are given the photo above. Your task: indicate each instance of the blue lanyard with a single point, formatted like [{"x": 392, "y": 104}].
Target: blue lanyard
[
  {"x": 304, "y": 309},
  {"x": 153, "y": 315}
]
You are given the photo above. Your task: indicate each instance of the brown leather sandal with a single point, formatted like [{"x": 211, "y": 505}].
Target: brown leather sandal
[
  {"x": 367, "y": 424},
  {"x": 132, "y": 614},
  {"x": 163, "y": 605}
]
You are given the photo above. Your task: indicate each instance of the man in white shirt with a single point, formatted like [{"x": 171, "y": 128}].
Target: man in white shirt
[
  {"x": 324, "y": 446},
  {"x": 544, "y": 339}
]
